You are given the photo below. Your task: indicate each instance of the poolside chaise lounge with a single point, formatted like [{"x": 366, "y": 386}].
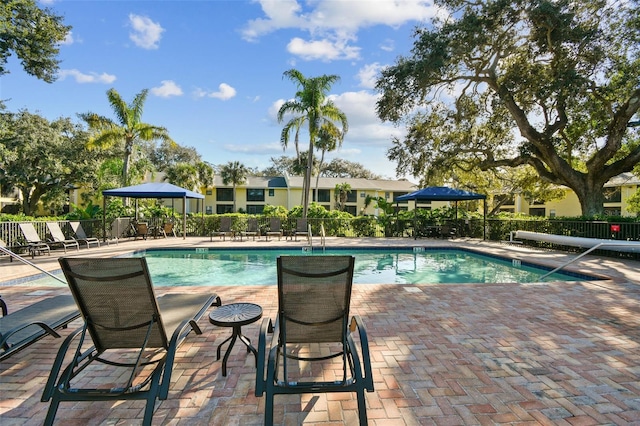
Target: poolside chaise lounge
[
  {"x": 252, "y": 229},
  {"x": 59, "y": 238},
  {"x": 302, "y": 229},
  {"x": 168, "y": 228},
  {"x": 275, "y": 228},
  {"x": 224, "y": 230},
  {"x": 21, "y": 328},
  {"x": 312, "y": 326},
  {"x": 81, "y": 236},
  {"x": 135, "y": 335},
  {"x": 35, "y": 244}
]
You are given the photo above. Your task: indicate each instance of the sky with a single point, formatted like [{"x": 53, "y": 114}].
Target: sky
[{"x": 214, "y": 69}]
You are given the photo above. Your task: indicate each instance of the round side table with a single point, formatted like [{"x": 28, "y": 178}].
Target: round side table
[{"x": 235, "y": 315}]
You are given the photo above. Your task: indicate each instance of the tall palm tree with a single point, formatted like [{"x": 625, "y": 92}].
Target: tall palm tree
[
  {"x": 310, "y": 106},
  {"x": 329, "y": 139},
  {"x": 341, "y": 191},
  {"x": 127, "y": 129},
  {"x": 234, "y": 173}
]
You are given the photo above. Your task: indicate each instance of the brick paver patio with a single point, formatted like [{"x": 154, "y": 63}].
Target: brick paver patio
[{"x": 564, "y": 353}]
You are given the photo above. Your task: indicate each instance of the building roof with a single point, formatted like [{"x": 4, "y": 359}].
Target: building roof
[
  {"x": 357, "y": 184},
  {"x": 255, "y": 182}
]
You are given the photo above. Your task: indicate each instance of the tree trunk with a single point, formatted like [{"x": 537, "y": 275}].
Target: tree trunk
[
  {"x": 307, "y": 180},
  {"x": 591, "y": 198}
]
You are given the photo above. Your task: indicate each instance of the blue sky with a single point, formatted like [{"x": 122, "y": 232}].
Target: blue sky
[{"x": 214, "y": 68}]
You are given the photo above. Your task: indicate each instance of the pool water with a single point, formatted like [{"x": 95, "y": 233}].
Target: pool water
[
  {"x": 202, "y": 267},
  {"x": 258, "y": 267}
]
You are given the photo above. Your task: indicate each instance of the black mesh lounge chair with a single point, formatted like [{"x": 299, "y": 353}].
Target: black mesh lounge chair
[
  {"x": 35, "y": 244},
  {"x": 252, "y": 229},
  {"x": 314, "y": 294},
  {"x": 301, "y": 229},
  {"x": 58, "y": 237},
  {"x": 225, "y": 229},
  {"x": 133, "y": 333},
  {"x": 21, "y": 328},
  {"x": 81, "y": 236},
  {"x": 275, "y": 228}
]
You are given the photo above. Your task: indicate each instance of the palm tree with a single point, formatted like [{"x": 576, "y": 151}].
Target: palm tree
[
  {"x": 341, "y": 192},
  {"x": 189, "y": 175},
  {"x": 312, "y": 107},
  {"x": 234, "y": 173},
  {"x": 128, "y": 129},
  {"x": 329, "y": 138}
]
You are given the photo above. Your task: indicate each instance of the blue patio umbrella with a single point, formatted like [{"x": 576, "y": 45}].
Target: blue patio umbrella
[{"x": 444, "y": 193}]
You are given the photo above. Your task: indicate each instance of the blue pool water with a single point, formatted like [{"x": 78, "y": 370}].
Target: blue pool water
[{"x": 201, "y": 267}]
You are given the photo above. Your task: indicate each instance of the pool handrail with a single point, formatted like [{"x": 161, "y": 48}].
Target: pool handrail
[{"x": 25, "y": 261}]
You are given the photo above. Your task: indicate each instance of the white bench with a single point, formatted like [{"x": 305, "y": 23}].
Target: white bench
[{"x": 564, "y": 240}]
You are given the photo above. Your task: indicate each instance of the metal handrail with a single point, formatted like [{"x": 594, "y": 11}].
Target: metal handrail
[
  {"x": 25, "y": 261},
  {"x": 581, "y": 255},
  {"x": 322, "y": 236}
]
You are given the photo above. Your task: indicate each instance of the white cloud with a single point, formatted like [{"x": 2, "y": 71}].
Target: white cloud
[
  {"x": 68, "y": 40},
  {"x": 322, "y": 49},
  {"x": 388, "y": 45},
  {"x": 225, "y": 92},
  {"x": 167, "y": 89},
  {"x": 368, "y": 75},
  {"x": 336, "y": 16},
  {"x": 146, "y": 33},
  {"x": 87, "y": 78}
]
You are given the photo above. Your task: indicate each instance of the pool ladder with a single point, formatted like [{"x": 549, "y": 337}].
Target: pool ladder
[
  {"x": 310, "y": 238},
  {"x": 26, "y": 262}
]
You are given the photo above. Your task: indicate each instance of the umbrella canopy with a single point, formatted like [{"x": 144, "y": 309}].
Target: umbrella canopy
[
  {"x": 443, "y": 193},
  {"x": 440, "y": 193},
  {"x": 154, "y": 190}
]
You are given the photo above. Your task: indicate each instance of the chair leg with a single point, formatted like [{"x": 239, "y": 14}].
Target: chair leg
[
  {"x": 268, "y": 408},
  {"x": 53, "y": 409},
  {"x": 362, "y": 407}
]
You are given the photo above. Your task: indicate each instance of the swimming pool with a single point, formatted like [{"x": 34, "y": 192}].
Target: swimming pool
[{"x": 245, "y": 267}]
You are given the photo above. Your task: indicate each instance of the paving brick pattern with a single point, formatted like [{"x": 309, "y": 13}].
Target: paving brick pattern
[{"x": 542, "y": 354}]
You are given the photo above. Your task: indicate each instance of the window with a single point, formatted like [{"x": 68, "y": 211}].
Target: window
[
  {"x": 224, "y": 194},
  {"x": 209, "y": 210},
  {"x": 272, "y": 192},
  {"x": 537, "y": 211},
  {"x": 209, "y": 192},
  {"x": 255, "y": 194},
  {"x": 255, "y": 208},
  {"x": 612, "y": 195},
  {"x": 224, "y": 208},
  {"x": 504, "y": 199},
  {"x": 352, "y": 197},
  {"x": 353, "y": 210},
  {"x": 324, "y": 196}
]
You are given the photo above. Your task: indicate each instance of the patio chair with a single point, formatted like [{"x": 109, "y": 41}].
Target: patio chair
[
  {"x": 59, "y": 238},
  {"x": 224, "y": 230},
  {"x": 140, "y": 230},
  {"x": 252, "y": 229},
  {"x": 81, "y": 236},
  {"x": 301, "y": 229},
  {"x": 35, "y": 245},
  {"x": 275, "y": 228},
  {"x": 135, "y": 335},
  {"x": 168, "y": 228},
  {"x": 21, "y": 328},
  {"x": 313, "y": 326}
]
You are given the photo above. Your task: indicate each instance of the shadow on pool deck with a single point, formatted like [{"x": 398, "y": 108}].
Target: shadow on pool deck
[{"x": 551, "y": 353}]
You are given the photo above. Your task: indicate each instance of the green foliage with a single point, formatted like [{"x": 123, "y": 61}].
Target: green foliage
[
  {"x": 91, "y": 211},
  {"x": 564, "y": 74},
  {"x": 115, "y": 208},
  {"x": 275, "y": 211},
  {"x": 34, "y": 35},
  {"x": 42, "y": 158}
]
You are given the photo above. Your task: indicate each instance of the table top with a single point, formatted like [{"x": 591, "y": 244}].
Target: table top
[{"x": 235, "y": 314}]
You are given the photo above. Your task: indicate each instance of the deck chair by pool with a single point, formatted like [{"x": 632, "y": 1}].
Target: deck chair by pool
[
  {"x": 301, "y": 229},
  {"x": 275, "y": 228},
  {"x": 252, "y": 229},
  {"x": 140, "y": 230},
  {"x": 313, "y": 326},
  {"x": 81, "y": 236},
  {"x": 224, "y": 230},
  {"x": 21, "y": 328},
  {"x": 34, "y": 243},
  {"x": 135, "y": 335},
  {"x": 168, "y": 228},
  {"x": 58, "y": 237}
]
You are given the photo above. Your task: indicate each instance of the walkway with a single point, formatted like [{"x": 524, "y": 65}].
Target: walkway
[{"x": 553, "y": 353}]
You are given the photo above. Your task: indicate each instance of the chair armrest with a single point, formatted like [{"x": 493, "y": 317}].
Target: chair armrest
[
  {"x": 265, "y": 328},
  {"x": 356, "y": 323}
]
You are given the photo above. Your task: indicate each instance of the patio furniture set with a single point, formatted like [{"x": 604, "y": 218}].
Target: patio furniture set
[{"x": 129, "y": 327}]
